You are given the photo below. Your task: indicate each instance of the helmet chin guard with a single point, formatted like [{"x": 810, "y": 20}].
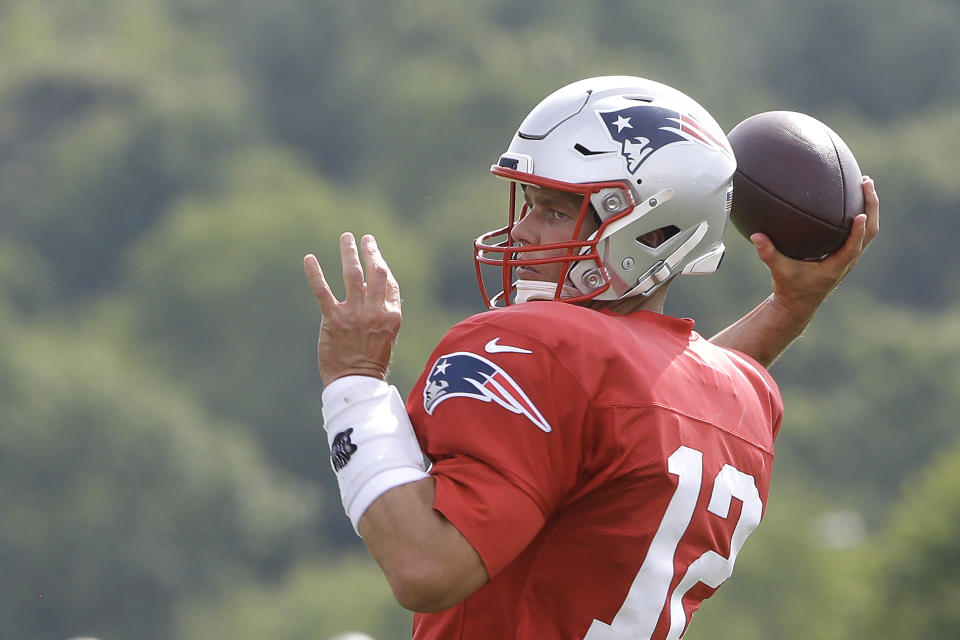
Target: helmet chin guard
[
  {"x": 644, "y": 157},
  {"x": 527, "y": 290}
]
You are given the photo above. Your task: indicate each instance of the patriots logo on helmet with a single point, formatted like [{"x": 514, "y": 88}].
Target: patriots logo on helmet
[
  {"x": 467, "y": 375},
  {"x": 644, "y": 129}
]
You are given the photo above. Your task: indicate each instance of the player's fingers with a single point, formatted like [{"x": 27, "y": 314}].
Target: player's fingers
[
  {"x": 352, "y": 271},
  {"x": 377, "y": 270},
  {"x": 325, "y": 297},
  {"x": 844, "y": 257},
  {"x": 766, "y": 250},
  {"x": 872, "y": 208},
  {"x": 858, "y": 232},
  {"x": 864, "y": 228}
]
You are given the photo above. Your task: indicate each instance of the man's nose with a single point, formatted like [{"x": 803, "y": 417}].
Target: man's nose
[{"x": 524, "y": 230}]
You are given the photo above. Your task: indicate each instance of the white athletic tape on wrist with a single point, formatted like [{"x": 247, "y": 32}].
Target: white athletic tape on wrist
[{"x": 372, "y": 444}]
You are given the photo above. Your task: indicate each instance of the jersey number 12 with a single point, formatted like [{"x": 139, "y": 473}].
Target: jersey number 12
[{"x": 648, "y": 596}]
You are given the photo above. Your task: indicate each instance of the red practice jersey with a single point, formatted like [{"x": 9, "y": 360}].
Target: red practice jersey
[{"x": 606, "y": 468}]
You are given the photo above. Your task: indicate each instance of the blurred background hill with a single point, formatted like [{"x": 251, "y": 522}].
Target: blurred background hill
[{"x": 165, "y": 164}]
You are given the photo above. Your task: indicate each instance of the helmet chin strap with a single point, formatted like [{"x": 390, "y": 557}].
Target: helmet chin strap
[
  {"x": 665, "y": 269},
  {"x": 528, "y": 290}
]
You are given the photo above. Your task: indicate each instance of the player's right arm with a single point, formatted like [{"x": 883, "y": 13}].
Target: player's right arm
[{"x": 799, "y": 287}]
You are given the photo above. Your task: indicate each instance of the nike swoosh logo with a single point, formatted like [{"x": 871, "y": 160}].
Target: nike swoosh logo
[{"x": 494, "y": 347}]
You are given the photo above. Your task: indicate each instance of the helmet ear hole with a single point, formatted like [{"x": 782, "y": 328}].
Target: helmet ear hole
[{"x": 657, "y": 237}]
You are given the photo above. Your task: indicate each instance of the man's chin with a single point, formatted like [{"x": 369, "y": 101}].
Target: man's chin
[{"x": 526, "y": 273}]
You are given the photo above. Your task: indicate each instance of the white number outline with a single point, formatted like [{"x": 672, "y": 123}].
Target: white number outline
[{"x": 648, "y": 594}]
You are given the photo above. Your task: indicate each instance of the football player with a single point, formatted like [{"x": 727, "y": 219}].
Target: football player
[{"x": 595, "y": 466}]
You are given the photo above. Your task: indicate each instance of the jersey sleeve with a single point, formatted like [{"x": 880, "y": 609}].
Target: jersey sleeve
[
  {"x": 768, "y": 392},
  {"x": 501, "y": 419}
]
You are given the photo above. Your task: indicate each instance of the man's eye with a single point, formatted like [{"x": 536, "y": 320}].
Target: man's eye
[{"x": 558, "y": 215}]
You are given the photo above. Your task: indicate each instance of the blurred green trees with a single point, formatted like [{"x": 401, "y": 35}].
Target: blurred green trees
[
  {"x": 912, "y": 574},
  {"x": 164, "y": 166},
  {"x": 121, "y": 496},
  {"x": 317, "y": 600}
]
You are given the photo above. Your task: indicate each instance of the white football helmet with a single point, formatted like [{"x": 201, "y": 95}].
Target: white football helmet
[{"x": 644, "y": 156}]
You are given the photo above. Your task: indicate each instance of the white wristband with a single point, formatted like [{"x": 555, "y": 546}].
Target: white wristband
[{"x": 372, "y": 444}]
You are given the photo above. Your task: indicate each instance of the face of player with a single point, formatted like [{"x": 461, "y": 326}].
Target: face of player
[{"x": 551, "y": 217}]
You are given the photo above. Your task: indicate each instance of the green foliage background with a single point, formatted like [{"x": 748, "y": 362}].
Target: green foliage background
[{"x": 164, "y": 165}]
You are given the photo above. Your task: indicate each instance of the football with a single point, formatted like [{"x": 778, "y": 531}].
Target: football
[{"x": 796, "y": 181}]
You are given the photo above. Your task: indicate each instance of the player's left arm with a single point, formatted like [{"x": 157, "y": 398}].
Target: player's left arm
[
  {"x": 799, "y": 287},
  {"x": 384, "y": 486},
  {"x": 429, "y": 564}
]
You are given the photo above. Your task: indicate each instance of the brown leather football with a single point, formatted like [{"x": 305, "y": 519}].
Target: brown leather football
[{"x": 797, "y": 181}]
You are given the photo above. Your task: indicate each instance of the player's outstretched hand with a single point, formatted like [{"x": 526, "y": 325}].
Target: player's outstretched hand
[
  {"x": 356, "y": 335},
  {"x": 800, "y": 286}
]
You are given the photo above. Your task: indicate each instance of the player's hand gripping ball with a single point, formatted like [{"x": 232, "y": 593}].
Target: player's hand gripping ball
[{"x": 797, "y": 181}]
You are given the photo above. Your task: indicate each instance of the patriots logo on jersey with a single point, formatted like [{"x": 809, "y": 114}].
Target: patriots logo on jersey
[
  {"x": 644, "y": 129},
  {"x": 467, "y": 375}
]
